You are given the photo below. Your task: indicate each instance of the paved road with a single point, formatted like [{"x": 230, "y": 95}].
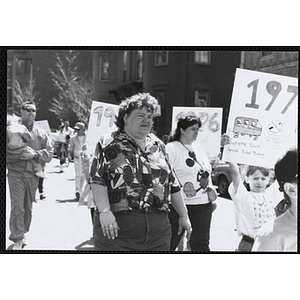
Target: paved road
[{"x": 58, "y": 222}]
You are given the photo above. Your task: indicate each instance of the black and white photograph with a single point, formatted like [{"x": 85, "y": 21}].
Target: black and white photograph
[{"x": 152, "y": 149}]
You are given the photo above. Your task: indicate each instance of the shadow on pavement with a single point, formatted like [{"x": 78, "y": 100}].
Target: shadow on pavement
[
  {"x": 66, "y": 200},
  {"x": 86, "y": 245}
]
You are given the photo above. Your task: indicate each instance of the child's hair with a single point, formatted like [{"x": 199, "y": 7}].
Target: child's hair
[
  {"x": 286, "y": 168},
  {"x": 251, "y": 170}
]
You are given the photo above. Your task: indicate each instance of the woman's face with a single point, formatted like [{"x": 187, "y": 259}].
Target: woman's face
[
  {"x": 189, "y": 135},
  {"x": 257, "y": 182},
  {"x": 138, "y": 123}
]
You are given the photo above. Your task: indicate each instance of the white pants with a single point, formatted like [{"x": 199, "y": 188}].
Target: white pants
[{"x": 79, "y": 175}]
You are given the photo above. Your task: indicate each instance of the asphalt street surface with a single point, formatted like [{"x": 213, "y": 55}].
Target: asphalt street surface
[{"x": 58, "y": 223}]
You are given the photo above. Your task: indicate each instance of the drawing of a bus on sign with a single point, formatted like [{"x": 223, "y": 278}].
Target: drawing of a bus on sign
[{"x": 247, "y": 126}]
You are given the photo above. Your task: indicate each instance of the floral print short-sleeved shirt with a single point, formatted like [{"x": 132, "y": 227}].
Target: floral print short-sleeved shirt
[{"x": 132, "y": 182}]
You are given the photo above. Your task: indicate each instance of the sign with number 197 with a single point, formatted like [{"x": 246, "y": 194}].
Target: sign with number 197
[{"x": 263, "y": 118}]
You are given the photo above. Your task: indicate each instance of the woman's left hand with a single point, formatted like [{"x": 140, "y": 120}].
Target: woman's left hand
[{"x": 185, "y": 224}]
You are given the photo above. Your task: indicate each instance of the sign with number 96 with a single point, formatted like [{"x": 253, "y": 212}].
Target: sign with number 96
[{"x": 210, "y": 132}]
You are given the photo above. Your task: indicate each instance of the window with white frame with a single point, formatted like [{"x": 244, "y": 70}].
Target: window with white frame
[
  {"x": 126, "y": 66},
  {"x": 161, "y": 58},
  {"x": 201, "y": 98},
  {"x": 202, "y": 57},
  {"x": 104, "y": 67},
  {"x": 139, "y": 65}
]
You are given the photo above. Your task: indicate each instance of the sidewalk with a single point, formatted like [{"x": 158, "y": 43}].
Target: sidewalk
[{"x": 58, "y": 223}]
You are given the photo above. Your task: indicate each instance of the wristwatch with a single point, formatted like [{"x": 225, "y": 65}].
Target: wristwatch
[{"x": 104, "y": 211}]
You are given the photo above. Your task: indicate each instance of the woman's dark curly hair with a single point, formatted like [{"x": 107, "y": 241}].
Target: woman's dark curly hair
[
  {"x": 134, "y": 102},
  {"x": 185, "y": 120}
]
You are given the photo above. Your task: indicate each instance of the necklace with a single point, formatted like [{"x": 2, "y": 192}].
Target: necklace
[{"x": 191, "y": 154}]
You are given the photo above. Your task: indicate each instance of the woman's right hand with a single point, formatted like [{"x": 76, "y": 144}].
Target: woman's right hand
[
  {"x": 109, "y": 225},
  {"x": 225, "y": 139}
]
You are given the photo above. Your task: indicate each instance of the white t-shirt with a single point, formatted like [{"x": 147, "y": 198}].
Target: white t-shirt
[
  {"x": 61, "y": 137},
  {"x": 178, "y": 154},
  {"x": 252, "y": 210},
  {"x": 282, "y": 238}
]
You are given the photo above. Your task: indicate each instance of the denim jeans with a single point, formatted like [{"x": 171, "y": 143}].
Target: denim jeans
[
  {"x": 200, "y": 217},
  {"x": 140, "y": 230},
  {"x": 175, "y": 239},
  {"x": 244, "y": 246}
]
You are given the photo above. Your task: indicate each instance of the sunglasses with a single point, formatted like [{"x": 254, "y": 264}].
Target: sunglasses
[
  {"x": 29, "y": 109},
  {"x": 191, "y": 161}
]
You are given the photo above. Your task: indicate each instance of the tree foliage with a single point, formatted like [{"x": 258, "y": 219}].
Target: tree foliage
[
  {"x": 23, "y": 94},
  {"x": 74, "y": 90}
]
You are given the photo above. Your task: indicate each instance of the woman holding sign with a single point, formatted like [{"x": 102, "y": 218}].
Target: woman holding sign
[
  {"x": 192, "y": 168},
  {"x": 132, "y": 183}
]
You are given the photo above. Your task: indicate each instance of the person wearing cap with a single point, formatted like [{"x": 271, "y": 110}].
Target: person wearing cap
[
  {"x": 77, "y": 151},
  {"x": 22, "y": 180},
  {"x": 283, "y": 237}
]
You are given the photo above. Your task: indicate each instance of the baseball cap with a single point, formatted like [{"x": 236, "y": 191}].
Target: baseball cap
[{"x": 79, "y": 125}]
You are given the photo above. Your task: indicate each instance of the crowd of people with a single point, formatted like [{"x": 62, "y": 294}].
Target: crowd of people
[{"x": 149, "y": 195}]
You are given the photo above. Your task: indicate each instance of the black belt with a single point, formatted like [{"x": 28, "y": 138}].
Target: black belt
[{"x": 248, "y": 239}]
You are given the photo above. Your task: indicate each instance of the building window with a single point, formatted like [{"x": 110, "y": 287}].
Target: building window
[
  {"x": 161, "y": 58},
  {"x": 126, "y": 66},
  {"x": 201, "y": 98},
  {"x": 139, "y": 65},
  {"x": 202, "y": 57},
  {"x": 9, "y": 72},
  {"x": 104, "y": 67},
  {"x": 20, "y": 66}
]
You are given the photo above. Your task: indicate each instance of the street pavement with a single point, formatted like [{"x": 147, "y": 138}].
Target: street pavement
[{"x": 58, "y": 223}]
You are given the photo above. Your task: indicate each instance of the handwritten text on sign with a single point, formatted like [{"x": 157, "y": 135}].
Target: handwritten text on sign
[
  {"x": 210, "y": 131},
  {"x": 262, "y": 121},
  {"x": 101, "y": 122}
]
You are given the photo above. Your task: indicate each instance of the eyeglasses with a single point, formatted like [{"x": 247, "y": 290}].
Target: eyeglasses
[
  {"x": 191, "y": 161},
  {"x": 29, "y": 109}
]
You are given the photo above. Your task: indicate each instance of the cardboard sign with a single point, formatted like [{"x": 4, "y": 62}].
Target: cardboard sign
[
  {"x": 45, "y": 126},
  {"x": 101, "y": 121},
  {"x": 263, "y": 118},
  {"x": 210, "y": 132}
]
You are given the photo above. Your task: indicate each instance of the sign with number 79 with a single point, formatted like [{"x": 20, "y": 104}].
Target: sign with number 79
[{"x": 263, "y": 118}]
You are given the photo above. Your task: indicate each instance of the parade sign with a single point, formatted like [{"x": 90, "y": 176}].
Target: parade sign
[
  {"x": 101, "y": 122},
  {"x": 262, "y": 121},
  {"x": 45, "y": 126},
  {"x": 210, "y": 132}
]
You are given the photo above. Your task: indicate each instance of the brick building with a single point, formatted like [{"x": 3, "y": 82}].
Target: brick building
[
  {"x": 175, "y": 78},
  {"x": 284, "y": 63}
]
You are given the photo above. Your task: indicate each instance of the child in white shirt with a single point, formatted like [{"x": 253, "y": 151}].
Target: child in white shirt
[{"x": 254, "y": 207}]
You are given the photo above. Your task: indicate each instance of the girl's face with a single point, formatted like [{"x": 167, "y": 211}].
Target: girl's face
[
  {"x": 190, "y": 134},
  {"x": 257, "y": 182}
]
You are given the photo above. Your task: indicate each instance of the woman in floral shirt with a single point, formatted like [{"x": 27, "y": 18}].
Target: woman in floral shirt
[{"x": 133, "y": 183}]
